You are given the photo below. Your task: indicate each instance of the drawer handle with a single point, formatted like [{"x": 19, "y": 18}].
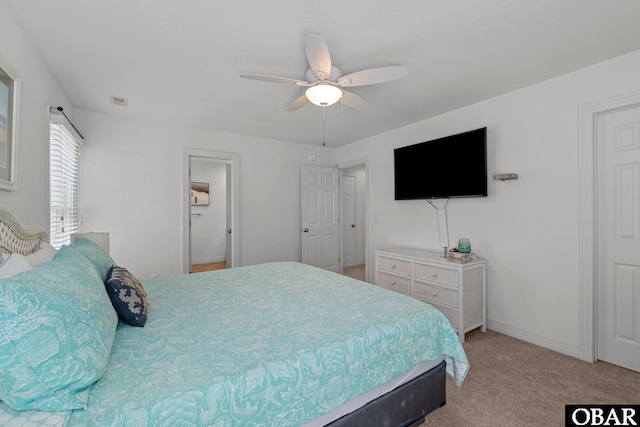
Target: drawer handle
[
  {"x": 393, "y": 266},
  {"x": 434, "y": 294},
  {"x": 435, "y": 275},
  {"x": 393, "y": 283}
]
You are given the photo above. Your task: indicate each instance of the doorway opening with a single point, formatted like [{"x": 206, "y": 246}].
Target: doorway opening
[
  {"x": 210, "y": 211},
  {"x": 209, "y": 214},
  {"x": 354, "y": 230}
]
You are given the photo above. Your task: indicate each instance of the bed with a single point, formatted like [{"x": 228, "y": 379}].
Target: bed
[{"x": 277, "y": 344}]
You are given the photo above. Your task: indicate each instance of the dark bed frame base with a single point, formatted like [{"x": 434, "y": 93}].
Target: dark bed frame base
[{"x": 404, "y": 406}]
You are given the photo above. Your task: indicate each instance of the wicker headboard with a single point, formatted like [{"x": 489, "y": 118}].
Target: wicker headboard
[{"x": 18, "y": 238}]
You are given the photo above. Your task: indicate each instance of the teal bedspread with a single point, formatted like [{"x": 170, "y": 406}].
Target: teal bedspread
[{"x": 275, "y": 344}]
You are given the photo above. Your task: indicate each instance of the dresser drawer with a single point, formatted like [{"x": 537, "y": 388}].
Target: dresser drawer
[
  {"x": 394, "y": 283},
  {"x": 393, "y": 266},
  {"x": 451, "y": 315},
  {"x": 436, "y": 274},
  {"x": 435, "y": 294}
]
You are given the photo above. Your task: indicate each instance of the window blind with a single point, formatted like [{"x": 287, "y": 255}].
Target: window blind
[{"x": 64, "y": 177}]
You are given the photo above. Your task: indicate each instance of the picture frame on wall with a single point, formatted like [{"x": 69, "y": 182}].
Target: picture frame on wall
[
  {"x": 9, "y": 91},
  {"x": 199, "y": 193}
]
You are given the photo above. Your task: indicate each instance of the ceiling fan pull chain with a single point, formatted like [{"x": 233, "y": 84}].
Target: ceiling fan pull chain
[{"x": 323, "y": 143}]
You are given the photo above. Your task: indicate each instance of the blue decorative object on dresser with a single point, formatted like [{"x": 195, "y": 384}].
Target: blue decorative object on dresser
[{"x": 464, "y": 246}]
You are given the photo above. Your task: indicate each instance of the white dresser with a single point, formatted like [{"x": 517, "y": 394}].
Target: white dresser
[{"x": 457, "y": 289}]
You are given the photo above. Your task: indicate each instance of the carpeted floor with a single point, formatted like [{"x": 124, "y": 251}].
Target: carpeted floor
[
  {"x": 514, "y": 383},
  {"x": 355, "y": 272}
]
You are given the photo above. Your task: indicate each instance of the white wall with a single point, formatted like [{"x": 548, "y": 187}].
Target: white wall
[
  {"x": 132, "y": 187},
  {"x": 38, "y": 89},
  {"x": 209, "y": 223},
  {"x": 526, "y": 228}
]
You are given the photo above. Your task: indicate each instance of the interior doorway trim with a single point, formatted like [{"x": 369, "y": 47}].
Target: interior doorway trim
[
  {"x": 231, "y": 159},
  {"x": 363, "y": 161},
  {"x": 587, "y": 203}
]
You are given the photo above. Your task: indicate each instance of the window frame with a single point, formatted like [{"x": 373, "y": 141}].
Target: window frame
[{"x": 65, "y": 161}]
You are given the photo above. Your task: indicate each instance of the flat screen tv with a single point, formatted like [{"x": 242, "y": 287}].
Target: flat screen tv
[{"x": 453, "y": 166}]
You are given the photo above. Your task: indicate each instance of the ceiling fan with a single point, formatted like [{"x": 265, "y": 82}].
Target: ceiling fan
[{"x": 324, "y": 81}]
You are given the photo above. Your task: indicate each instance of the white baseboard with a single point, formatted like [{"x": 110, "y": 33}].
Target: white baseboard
[{"x": 532, "y": 338}]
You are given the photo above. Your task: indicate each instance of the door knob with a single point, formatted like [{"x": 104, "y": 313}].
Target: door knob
[
  {"x": 305, "y": 230},
  {"x": 353, "y": 226},
  {"x": 229, "y": 230}
]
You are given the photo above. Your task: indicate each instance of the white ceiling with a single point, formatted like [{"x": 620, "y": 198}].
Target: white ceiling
[{"x": 180, "y": 61}]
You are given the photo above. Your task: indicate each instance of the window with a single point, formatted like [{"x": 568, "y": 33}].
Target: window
[{"x": 64, "y": 175}]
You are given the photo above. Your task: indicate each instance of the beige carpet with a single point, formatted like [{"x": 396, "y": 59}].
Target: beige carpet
[
  {"x": 514, "y": 383},
  {"x": 355, "y": 272}
]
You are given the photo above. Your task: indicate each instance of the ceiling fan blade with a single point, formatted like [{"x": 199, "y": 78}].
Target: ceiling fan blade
[
  {"x": 273, "y": 79},
  {"x": 352, "y": 100},
  {"x": 300, "y": 102},
  {"x": 318, "y": 56},
  {"x": 373, "y": 76}
]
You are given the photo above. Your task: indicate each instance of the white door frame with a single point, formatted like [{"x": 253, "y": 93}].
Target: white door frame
[
  {"x": 363, "y": 161},
  {"x": 587, "y": 257},
  {"x": 232, "y": 159}
]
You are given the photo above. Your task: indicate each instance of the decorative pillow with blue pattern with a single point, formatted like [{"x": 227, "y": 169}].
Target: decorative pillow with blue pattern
[{"x": 127, "y": 296}]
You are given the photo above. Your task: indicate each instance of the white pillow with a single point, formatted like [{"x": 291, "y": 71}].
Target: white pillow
[
  {"x": 44, "y": 254},
  {"x": 16, "y": 264}
]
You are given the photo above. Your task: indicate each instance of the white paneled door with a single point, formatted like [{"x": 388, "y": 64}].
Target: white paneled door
[
  {"x": 618, "y": 237},
  {"x": 320, "y": 227},
  {"x": 349, "y": 220}
]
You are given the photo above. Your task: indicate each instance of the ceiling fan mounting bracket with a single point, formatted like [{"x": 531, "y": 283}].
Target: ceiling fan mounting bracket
[{"x": 313, "y": 77}]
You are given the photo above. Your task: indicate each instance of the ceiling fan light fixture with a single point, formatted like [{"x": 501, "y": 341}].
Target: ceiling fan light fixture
[{"x": 324, "y": 95}]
